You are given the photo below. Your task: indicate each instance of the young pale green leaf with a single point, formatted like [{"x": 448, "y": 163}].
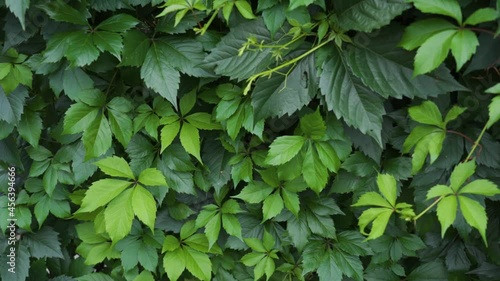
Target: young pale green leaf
[
  {"x": 438, "y": 190},
  {"x": 170, "y": 243},
  {"x": 268, "y": 241},
  {"x": 427, "y": 113},
  {"x": 328, "y": 156},
  {"x": 212, "y": 229},
  {"x": 273, "y": 205},
  {"x": 116, "y": 167},
  {"x": 380, "y": 218},
  {"x": 461, "y": 173},
  {"x": 255, "y": 244},
  {"x": 449, "y": 8},
  {"x": 387, "y": 186},
  {"x": 168, "y": 134},
  {"x": 190, "y": 140},
  {"x": 245, "y": 9},
  {"x": 231, "y": 206},
  {"x": 463, "y": 46},
  {"x": 144, "y": 276},
  {"x": 232, "y": 226},
  {"x": 314, "y": 172},
  {"x": 313, "y": 125},
  {"x": 252, "y": 258},
  {"x": 372, "y": 199},
  {"x": 433, "y": 52},
  {"x": 475, "y": 215},
  {"x": 118, "y": 23},
  {"x": 453, "y": 113},
  {"x": 203, "y": 121},
  {"x": 144, "y": 206},
  {"x": 152, "y": 177},
  {"x": 188, "y": 229},
  {"x": 447, "y": 212},
  {"x": 119, "y": 216},
  {"x": 255, "y": 192},
  {"x": 198, "y": 264},
  {"x": 291, "y": 200},
  {"x": 101, "y": 192},
  {"x": 418, "y": 32},
  {"x": 481, "y": 15},
  {"x": 283, "y": 149},
  {"x": 481, "y": 187},
  {"x": 174, "y": 263},
  {"x": 417, "y": 135},
  {"x": 494, "y": 111},
  {"x": 187, "y": 102},
  {"x": 494, "y": 89}
]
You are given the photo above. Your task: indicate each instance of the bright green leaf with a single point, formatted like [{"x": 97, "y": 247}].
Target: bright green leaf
[
  {"x": 475, "y": 215},
  {"x": 119, "y": 216},
  {"x": 283, "y": 149},
  {"x": 115, "y": 167},
  {"x": 144, "y": 206},
  {"x": 447, "y": 212},
  {"x": 190, "y": 140}
]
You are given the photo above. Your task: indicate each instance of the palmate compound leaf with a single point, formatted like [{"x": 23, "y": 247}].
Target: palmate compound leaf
[{"x": 349, "y": 99}]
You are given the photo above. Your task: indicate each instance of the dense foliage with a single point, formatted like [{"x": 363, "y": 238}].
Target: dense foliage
[{"x": 249, "y": 140}]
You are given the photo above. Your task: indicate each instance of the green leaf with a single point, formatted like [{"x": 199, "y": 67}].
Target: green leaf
[
  {"x": 255, "y": 192},
  {"x": 152, "y": 177},
  {"x": 283, "y": 149},
  {"x": 433, "y": 51},
  {"x": 312, "y": 125},
  {"x": 101, "y": 192},
  {"x": 212, "y": 229},
  {"x": 328, "y": 156},
  {"x": 387, "y": 186},
  {"x": 291, "y": 201},
  {"x": 481, "y": 187},
  {"x": 184, "y": 54},
  {"x": 343, "y": 93},
  {"x": 349, "y": 264},
  {"x": 97, "y": 138},
  {"x": 380, "y": 218},
  {"x": 198, "y": 264},
  {"x": 418, "y": 32},
  {"x": 449, "y": 8},
  {"x": 78, "y": 116},
  {"x": 119, "y": 216},
  {"x": 231, "y": 225},
  {"x": 447, "y": 212},
  {"x": 60, "y": 11},
  {"x": 159, "y": 75},
  {"x": 481, "y": 15},
  {"x": 427, "y": 113},
  {"x": 372, "y": 199},
  {"x": 255, "y": 244},
  {"x": 81, "y": 49},
  {"x": 360, "y": 165},
  {"x": 463, "y": 46},
  {"x": 434, "y": 271},
  {"x": 144, "y": 276},
  {"x": 144, "y": 206},
  {"x": 118, "y": 23},
  {"x": 11, "y": 106},
  {"x": 475, "y": 215},
  {"x": 44, "y": 243},
  {"x": 109, "y": 42},
  {"x": 170, "y": 243},
  {"x": 168, "y": 134},
  {"x": 245, "y": 9},
  {"x": 174, "y": 263},
  {"x": 438, "y": 190},
  {"x": 18, "y": 8},
  {"x": 494, "y": 111},
  {"x": 30, "y": 127},
  {"x": 461, "y": 173},
  {"x": 314, "y": 172},
  {"x": 116, "y": 167},
  {"x": 328, "y": 269},
  {"x": 493, "y": 90},
  {"x": 190, "y": 140},
  {"x": 135, "y": 48},
  {"x": 453, "y": 113},
  {"x": 273, "y": 205},
  {"x": 203, "y": 121},
  {"x": 231, "y": 207},
  {"x": 367, "y": 15}
]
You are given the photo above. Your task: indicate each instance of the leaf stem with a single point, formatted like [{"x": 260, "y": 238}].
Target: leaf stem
[
  {"x": 428, "y": 208},
  {"x": 481, "y": 30},
  {"x": 476, "y": 143},
  {"x": 293, "y": 61}
]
